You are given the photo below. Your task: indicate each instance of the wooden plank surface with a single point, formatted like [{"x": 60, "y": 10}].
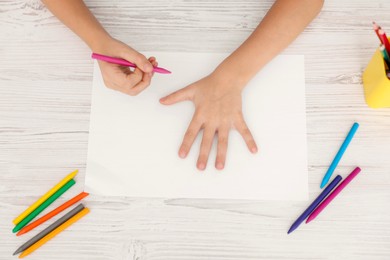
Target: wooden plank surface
[{"x": 45, "y": 88}]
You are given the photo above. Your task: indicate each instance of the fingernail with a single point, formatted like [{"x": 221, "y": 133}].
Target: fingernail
[
  {"x": 182, "y": 154},
  {"x": 254, "y": 149},
  {"x": 201, "y": 166},
  {"x": 219, "y": 166}
]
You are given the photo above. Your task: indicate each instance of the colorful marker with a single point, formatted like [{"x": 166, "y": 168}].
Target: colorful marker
[
  {"x": 124, "y": 62},
  {"x": 339, "y": 154},
  {"x": 333, "y": 195},
  {"x": 49, "y": 229},
  {"x": 385, "y": 55},
  {"x": 376, "y": 28},
  {"x": 315, "y": 203},
  {"x": 54, "y": 232},
  {"x": 43, "y": 206},
  {"x": 52, "y": 213},
  {"x": 385, "y": 41},
  {"x": 45, "y": 197}
]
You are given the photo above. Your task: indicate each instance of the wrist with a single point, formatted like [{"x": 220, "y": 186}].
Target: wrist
[
  {"x": 229, "y": 77},
  {"x": 101, "y": 44}
]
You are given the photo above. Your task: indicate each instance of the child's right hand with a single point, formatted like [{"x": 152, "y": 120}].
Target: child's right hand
[{"x": 121, "y": 78}]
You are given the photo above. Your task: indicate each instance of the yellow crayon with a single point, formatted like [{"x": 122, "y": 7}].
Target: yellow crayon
[{"x": 44, "y": 197}]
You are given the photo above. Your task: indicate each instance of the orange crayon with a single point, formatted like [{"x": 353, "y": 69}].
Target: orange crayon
[
  {"x": 55, "y": 232},
  {"x": 52, "y": 213}
]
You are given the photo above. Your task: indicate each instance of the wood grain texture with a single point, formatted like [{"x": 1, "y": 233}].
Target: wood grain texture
[{"x": 45, "y": 87}]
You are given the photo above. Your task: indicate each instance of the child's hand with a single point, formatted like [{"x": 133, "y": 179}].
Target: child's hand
[
  {"x": 218, "y": 105},
  {"x": 121, "y": 78}
]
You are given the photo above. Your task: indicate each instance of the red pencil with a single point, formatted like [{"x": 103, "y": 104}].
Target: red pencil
[
  {"x": 52, "y": 213},
  {"x": 385, "y": 41},
  {"x": 376, "y": 29}
]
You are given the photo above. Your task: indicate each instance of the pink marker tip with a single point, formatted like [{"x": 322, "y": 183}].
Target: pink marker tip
[{"x": 309, "y": 219}]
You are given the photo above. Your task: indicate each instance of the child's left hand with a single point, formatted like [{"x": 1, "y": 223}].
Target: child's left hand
[{"x": 218, "y": 108}]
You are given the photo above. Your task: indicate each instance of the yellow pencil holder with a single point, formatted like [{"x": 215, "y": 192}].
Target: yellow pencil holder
[{"x": 376, "y": 83}]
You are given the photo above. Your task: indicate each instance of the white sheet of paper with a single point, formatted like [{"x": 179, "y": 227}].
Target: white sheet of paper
[{"x": 134, "y": 141}]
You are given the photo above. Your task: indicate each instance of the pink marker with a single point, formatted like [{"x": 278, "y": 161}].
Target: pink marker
[
  {"x": 124, "y": 62},
  {"x": 333, "y": 195}
]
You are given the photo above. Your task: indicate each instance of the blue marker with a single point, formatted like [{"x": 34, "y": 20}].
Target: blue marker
[
  {"x": 315, "y": 203},
  {"x": 339, "y": 154}
]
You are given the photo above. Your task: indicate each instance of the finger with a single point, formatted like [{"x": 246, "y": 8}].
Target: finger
[
  {"x": 131, "y": 80},
  {"x": 189, "y": 137},
  {"x": 207, "y": 141},
  {"x": 143, "y": 84},
  {"x": 223, "y": 136},
  {"x": 243, "y": 129},
  {"x": 108, "y": 80},
  {"x": 140, "y": 60},
  {"x": 177, "y": 96},
  {"x": 155, "y": 64},
  {"x": 153, "y": 61}
]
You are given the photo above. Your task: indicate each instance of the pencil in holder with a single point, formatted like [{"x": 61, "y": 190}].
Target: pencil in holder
[{"x": 376, "y": 83}]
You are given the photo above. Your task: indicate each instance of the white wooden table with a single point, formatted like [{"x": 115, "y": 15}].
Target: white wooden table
[{"x": 45, "y": 90}]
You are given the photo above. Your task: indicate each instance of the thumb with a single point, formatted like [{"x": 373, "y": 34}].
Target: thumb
[
  {"x": 138, "y": 59},
  {"x": 177, "y": 96}
]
